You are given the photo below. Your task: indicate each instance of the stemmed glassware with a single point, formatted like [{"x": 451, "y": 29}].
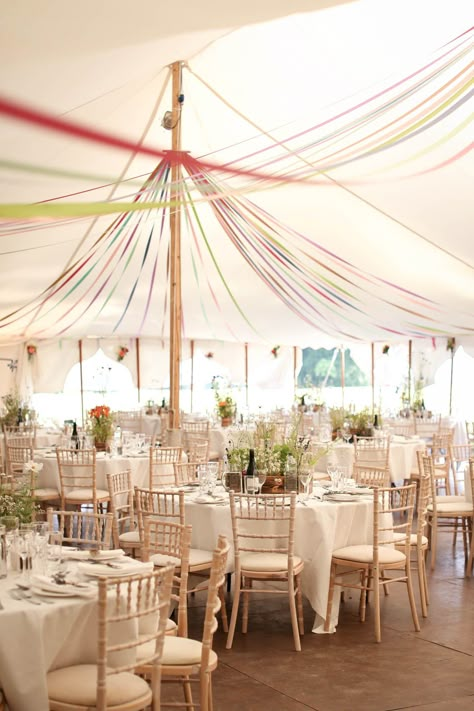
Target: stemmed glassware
[
  {"x": 25, "y": 551},
  {"x": 346, "y": 433},
  {"x": 305, "y": 476},
  {"x": 252, "y": 484},
  {"x": 262, "y": 477}
]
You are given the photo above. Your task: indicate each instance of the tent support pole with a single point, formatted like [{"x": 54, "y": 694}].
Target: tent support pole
[
  {"x": 175, "y": 251},
  {"x": 137, "y": 355},
  {"x": 451, "y": 383},
  {"x": 343, "y": 375},
  {"x": 372, "y": 375},
  {"x": 246, "y": 355},
  {"x": 295, "y": 377},
  {"x": 192, "y": 373},
  {"x": 410, "y": 355},
  {"x": 79, "y": 343}
]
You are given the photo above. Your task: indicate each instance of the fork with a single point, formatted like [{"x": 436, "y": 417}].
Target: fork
[
  {"x": 17, "y": 594},
  {"x": 28, "y": 594}
]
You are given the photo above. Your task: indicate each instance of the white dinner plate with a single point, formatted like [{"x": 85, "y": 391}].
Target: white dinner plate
[{"x": 339, "y": 497}]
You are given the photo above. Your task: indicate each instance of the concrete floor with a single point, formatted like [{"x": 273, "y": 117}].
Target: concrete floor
[{"x": 432, "y": 670}]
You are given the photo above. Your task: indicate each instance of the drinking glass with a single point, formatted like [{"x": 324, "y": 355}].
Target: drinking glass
[
  {"x": 252, "y": 484},
  {"x": 262, "y": 477},
  {"x": 25, "y": 551},
  {"x": 305, "y": 476},
  {"x": 55, "y": 541}
]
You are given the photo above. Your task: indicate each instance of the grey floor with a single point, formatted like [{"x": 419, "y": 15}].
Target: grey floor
[{"x": 432, "y": 670}]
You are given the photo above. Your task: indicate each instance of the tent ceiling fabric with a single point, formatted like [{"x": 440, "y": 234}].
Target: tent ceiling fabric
[{"x": 402, "y": 224}]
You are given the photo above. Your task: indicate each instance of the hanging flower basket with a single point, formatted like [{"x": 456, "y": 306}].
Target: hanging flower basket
[
  {"x": 274, "y": 351},
  {"x": 121, "y": 353},
  {"x": 385, "y": 349},
  {"x": 451, "y": 344},
  {"x": 31, "y": 351}
]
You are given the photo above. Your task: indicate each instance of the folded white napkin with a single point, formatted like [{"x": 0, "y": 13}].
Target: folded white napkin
[
  {"x": 116, "y": 569},
  {"x": 206, "y": 499},
  {"x": 70, "y": 554},
  {"x": 43, "y": 583}
]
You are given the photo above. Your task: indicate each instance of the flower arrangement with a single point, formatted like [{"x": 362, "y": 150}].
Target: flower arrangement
[
  {"x": 121, "y": 353},
  {"x": 385, "y": 349},
  {"x": 18, "y": 501},
  {"x": 101, "y": 423},
  {"x": 13, "y": 407},
  {"x": 225, "y": 407},
  {"x": 31, "y": 351},
  {"x": 274, "y": 351},
  {"x": 209, "y": 354},
  {"x": 451, "y": 344}
]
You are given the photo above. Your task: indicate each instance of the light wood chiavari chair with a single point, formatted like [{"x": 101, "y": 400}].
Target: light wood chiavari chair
[
  {"x": 263, "y": 529},
  {"x": 122, "y": 507},
  {"x": 371, "y": 477},
  {"x": 160, "y": 475},
  {"x": 77, "y": 477},
  {"x": 187, "y": 660},
  {"x": 185, "y": 473},
  {"x": 82, "y": 528},
  {"x": 109, "y": 685},
  {"x": 393, "y": 514}
]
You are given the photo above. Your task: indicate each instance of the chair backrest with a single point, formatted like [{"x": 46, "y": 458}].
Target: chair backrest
[
  {"x": 424, "y": 495},
  {"x": 131, "y": 598},
  {"x": 440, "y": 450},
  {"x": 165, "y": 542},
  {"x": 470, "y": 431},
  {"x": 199, "y": 427},
  {"x": 275, "y": 531},
  {"x": 404, "y": 429},
  {"x": 197, "y": 448},
  {"x": 92, "y": 530},
  {"x": 459, "y": 455},
  {"x": 122, "y": 503},
  {"x": 371, "y": 476},
  {"x": 393, "y": 517},
  {"x": 426, "y": 466},
  {"x": 131, "y": 421},
  {"x": 213, "y": 604},
  {"x": 372, "y": 452},
  {"x": 16, "y": 457},
  {"x": 185, "y": 472},
  {"x": 165, "y": 505},
  {"x": 161, "y": 460},
  {"x": 77, "y": 470}
]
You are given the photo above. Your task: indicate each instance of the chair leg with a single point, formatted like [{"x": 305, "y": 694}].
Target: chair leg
[
  {"x": 420, "y": 558},
  {"x": 225, "y": 625},
  {"x": 364, "y": 581},
  {"x": 378, "y": 632},
  {"x": 299, "y": 605},
  {"x": 235, "y": 610},
  {"x": 434, "y": 536},
  {"x": 188, "y": 694},
  {"x": 204, "y": 691},
  {"x": 294, "y": 619},
  {"x": 332, "y": 578},
  {"x": 411, "y": 598},
  {"x": 245, "y": 607}
]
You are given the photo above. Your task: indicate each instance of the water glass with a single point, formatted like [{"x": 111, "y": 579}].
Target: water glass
[
  {"x": 252, "y": 484},
  {"x": 305, "y": 477}
]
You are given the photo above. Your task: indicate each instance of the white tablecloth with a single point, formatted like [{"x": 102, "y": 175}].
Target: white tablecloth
[
  {"x": 49, "y": 475},
  {"x": 320, "y": 528},
  {"x": 402, "y": 458}
]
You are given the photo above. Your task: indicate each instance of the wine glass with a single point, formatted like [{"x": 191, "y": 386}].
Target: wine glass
[
  {"x": 252, "y": 484},
  {"x": 262, "y": 477},
  {"x": 346, "y": 433},
  {"x": 304, "y": 477},
  {"x": 24, "y": 549}
]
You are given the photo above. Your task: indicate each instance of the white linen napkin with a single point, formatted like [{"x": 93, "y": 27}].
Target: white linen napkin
[
  {"x": 70, "y": 554},
  {"x": 43, "y": 582},
  {"x": 115, "y": 569}
]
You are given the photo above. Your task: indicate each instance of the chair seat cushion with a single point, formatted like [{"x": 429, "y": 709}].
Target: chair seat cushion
[
  {"x": 268, "y": 562},
  {"x": 87, "y": 494},
  {"x": 77, "y": 685},
  {"x": 177, "y": 651},
  {"x": 452, "y": 507},
  {"x": 413, "y": 539},
  {"x": 130, "y": 537},
  {"x": 46, "y": 494},
  {"x": 196, "y": 557},
  {"x": 365, "y": 553},
  {"x": 450, "y": 499}
]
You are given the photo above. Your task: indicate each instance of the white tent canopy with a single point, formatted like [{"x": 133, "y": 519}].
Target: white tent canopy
[{"x": 386, "y": 236}]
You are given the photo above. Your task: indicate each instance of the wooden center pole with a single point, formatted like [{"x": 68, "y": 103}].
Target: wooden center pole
[
  {"x": 137, "y": 356},
  {"x": 192, "y": 374},
  {"x": 343, "y": 377},
  {"x": 81, "y": 380},
  {"x": 175, "y": 254},
  {"x": 247, "y": 376},
  {"x": 410, "y": 355},
  {"x": 372, "y": 375}
]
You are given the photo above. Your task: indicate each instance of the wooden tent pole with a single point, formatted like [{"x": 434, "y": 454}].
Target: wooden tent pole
[
  {"x": 295, "y": 379},
  {"x": 192, "y": 373},
  {"x": 343, "y": 375},
  {"x": 175, "y": 252},
  {"x": 137, "y": 355},
  {"x": 247, "y": 376},
  {"x": 79, "y": 343},
  {"x": 410, "y": 354},
  {"x": 372, "y": 375}
]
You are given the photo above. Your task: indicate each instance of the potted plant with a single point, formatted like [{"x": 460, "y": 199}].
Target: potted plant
[
  {"x": 101, "y": 426},
  {"x": 361, "y": 423}
]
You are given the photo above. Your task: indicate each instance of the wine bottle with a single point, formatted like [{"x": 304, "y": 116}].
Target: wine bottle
[
  {"x": 376, "y": 421},
  {"x": 74, "y": 436},
  {"x": 250, "y": 471}
]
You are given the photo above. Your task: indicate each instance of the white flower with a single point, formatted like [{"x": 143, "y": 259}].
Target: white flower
[{"x": 32, "y": 467}]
